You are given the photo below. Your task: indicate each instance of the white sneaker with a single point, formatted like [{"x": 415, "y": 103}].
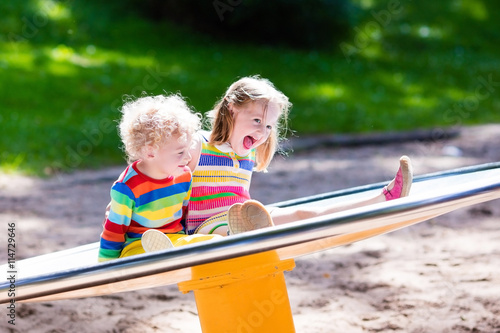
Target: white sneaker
[
  {"x": 153, "y": 240},
  {"x": 251, "y": 215}
]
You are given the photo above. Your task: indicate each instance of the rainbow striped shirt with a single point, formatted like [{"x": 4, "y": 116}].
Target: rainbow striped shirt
[
  {"x": 220, "y": 180},
  {"x": 139, "y": 203}
]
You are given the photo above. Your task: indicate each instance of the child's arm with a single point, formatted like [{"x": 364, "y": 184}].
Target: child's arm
[
  {"x": 116, "y": 222},
  {"x": 195, "y": 152},
  {"x": 185, "y": 205},
  {"x": 106, "y": 212}
]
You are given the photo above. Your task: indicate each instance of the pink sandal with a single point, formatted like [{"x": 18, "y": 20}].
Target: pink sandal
[{"x": 402, "y": 182}]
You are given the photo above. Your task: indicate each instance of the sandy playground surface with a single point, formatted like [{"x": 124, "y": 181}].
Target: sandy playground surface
[{"x": 441, "y": 275}]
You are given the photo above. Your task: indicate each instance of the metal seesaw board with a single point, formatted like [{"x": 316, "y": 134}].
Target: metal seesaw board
[{"x": 76, "y": 273}]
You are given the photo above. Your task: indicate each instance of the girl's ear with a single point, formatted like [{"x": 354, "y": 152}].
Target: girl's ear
[{"x": 230, "y": 107}]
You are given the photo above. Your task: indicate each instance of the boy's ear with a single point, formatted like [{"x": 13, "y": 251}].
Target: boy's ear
[{"x": 148, "y": 152}]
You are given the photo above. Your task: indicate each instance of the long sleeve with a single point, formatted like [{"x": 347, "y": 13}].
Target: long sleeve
[{"x": 117, "y": 223}]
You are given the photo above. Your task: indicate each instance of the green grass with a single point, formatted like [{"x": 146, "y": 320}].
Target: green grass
[{"x": 65, "y": 66}]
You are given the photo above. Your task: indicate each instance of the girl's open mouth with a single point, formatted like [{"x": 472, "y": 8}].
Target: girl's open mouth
[{"x": 248, "y": 142}]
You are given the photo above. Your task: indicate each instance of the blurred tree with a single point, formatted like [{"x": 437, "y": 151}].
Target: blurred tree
[{"x": 295, "y": 23}]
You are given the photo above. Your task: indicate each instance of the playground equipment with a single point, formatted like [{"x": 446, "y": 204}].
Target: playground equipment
[{"x": 242, "y": 275}]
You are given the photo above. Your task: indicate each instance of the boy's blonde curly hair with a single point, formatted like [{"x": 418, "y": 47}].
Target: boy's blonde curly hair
[
  {"x": 246, "y": 90},
  {"x": 153, "y": 120}
]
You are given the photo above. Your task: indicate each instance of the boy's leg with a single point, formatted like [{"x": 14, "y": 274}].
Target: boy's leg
[{"x": 154, "y": 240}]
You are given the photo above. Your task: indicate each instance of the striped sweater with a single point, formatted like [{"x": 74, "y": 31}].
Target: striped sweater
[
  {"x": 220, "y": 179},
  {"x": 139, "y": 203}
]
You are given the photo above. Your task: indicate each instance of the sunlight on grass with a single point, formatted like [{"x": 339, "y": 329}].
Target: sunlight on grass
[
  {"x": 54, "y": 10},
  {"x": 64, "y": 60},
  {"x": 61, "y": 69},
  {"x": 454, "y": 93},
  {"x": 433, "y": 32},
  {"x": 365, "y": 4},
  {"x": 93, "y": 57},
  {"x": 419, "y": 101},
  {"x": 373, "y": 51},
  {"x": 12, "y": 163},
  {"x": 425, "y": 31},
  {"x": 63, "y": 53},
  {"x": 324, "y": 91},
  {"x": 19, "y": 59},
  {"x": 474, "y": 8},
  {"x": 412, "y": 89}
]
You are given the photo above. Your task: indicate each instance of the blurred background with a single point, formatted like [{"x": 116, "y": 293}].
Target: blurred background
[{"x": 355, "y": 66}]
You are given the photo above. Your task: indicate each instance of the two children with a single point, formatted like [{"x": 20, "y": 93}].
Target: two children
[
  {"x": 149, "y": 201},
  {"x": 246, "y": 128}
]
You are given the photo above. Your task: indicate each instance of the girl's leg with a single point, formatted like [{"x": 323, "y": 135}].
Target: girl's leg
[
  {"x": 397, "y": 188},
  {"x": 241, "y": 217},
  {"x": 248, "y": 216},
  {"x": 216, "y": 224}
]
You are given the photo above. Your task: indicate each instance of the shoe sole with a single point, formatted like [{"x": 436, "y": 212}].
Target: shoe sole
[
  {"x": 407, "y": 172},
  {"x": 154, "y": 240},
  {"x": 251, "y": 215}
]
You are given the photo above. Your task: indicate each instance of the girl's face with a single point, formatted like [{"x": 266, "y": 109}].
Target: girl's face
[
  {"x": 252, "y": 125},
  {"x": 169, "y": 160}
]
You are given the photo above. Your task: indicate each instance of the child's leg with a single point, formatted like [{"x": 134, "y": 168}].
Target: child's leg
[
  {"x": 401, "y": 184},
  {"x": 215, "y": 225},
  {"x": 154, "y": 240},
  {"x": 132, "y": 249},
  {"x": 251, "y": 215},
  {"x": 398, "y": 187},
  {"x": 241, "y": 217},
  {"x": 191, "y": 239}
]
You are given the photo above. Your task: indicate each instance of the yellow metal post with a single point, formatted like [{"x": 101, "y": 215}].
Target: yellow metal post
[{"x": 242, "y": 295}]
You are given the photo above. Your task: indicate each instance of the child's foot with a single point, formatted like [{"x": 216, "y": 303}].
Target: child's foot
[
  {"x": 153, "y": 240},
  {"x": 213, "y": 226},
  {"x": 251, "y": 215},
  {"x": 400, "y": 186}
]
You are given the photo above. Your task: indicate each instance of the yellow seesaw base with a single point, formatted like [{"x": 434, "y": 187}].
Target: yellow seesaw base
[{"x": 244, "y": 295}]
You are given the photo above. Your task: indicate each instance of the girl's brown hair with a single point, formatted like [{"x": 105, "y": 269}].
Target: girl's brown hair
[{"x": 248, "y": 90}]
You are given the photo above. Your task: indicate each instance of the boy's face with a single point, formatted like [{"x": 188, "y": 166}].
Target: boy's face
[
  {"x": 169, "y": 160},
  {"x": 252, "y": 125}
]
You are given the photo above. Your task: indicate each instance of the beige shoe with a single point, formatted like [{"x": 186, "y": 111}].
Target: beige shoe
[
  {"x": 153, "y": 240},
  {"x": 251, "y": 215}
]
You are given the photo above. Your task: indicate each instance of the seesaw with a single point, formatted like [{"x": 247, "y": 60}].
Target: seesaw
[{"x": 242, "y": 276}]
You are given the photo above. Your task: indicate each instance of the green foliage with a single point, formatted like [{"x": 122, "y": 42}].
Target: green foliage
[
  {"x": 295, "y": 23},
  {"x": 65, "y": 66}
]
